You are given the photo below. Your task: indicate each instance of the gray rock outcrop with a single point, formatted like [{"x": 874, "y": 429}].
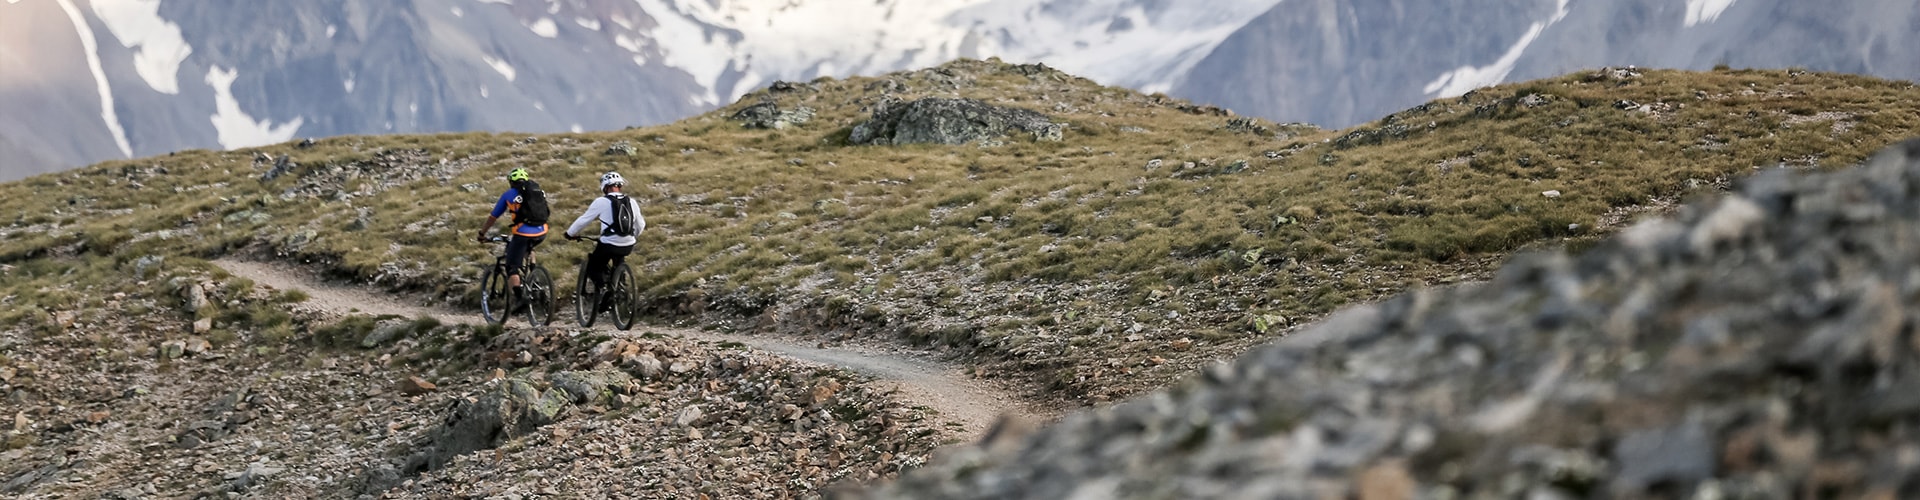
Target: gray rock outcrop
[
  {"x": 1759, "y": 346},
  {"x": 768, "y": 115},
  {"x": 589, "y": 387},
  {"x": 510, "y": 410},
  {"x": 937, "y": 120},
  {"x": 385, "y": 331}
]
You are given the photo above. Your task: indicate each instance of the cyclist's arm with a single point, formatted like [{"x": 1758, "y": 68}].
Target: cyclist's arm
[
  {"x": 499, "y": 208},
  {"x": 599, "y": 207}
]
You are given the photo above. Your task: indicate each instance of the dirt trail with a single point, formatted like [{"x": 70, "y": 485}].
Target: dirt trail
[{"x": 973, "y": 403}]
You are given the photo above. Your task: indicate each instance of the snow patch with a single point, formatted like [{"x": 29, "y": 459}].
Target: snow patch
[
  {"x": 1124, "y": 42},
  {"x": 235, "y": 127},
  {"x": 626, "y": 42},
  {"x": 591, "y": 24},
  {"x": 687, "y": 43},
  {"x": 1705, "y": 11},
  {"x": 1466, "y": 78},
  {"x": 539, "y": 105},
  {"x": 505, "y": 69},
  {"x": 1135, "y": 44},
  {"x": 331, "y": 30},
  {"x": 483, "y": 91},
  {"x": 640, "y": 60},
  {"x": 158, "y": 47},
  {"x": 457, "y": 12},
  {"x": 92, "y": 48},
  {"x": 348, "y": 84},
  {"x": 545, "y": 28}
]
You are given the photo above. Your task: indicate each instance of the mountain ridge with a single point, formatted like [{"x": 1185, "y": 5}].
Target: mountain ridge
[
  {"x": 343, "y": 67},
  {"x": 1340, "y": 63}
]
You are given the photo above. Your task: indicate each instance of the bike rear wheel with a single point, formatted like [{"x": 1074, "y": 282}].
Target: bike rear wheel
[
  {"x": 539, "y": 296},
  {"x": 620, "y": 294},
  {"x": 495, "y": 299},
  {"x": 586, "y": 300}
]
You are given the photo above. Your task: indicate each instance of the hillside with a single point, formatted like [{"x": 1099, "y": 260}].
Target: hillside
[
  {"x": 1758, "y": 345},
  {"x": 1152, "y": 237}
]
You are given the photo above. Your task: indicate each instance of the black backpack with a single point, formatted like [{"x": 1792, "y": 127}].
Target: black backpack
[
  {"x": 533, "y": 205},
  {"x": 622, "y": 215}
]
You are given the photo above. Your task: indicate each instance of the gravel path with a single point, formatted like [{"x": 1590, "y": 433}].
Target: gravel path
[{"x": 973, "y": 403}]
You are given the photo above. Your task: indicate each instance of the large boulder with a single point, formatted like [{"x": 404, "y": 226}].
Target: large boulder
[
  {"x": 1755, "y": 347},
  {"x": 938, "y": 120}
]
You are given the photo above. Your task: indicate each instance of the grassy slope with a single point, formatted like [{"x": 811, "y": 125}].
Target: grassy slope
[{"x": 1072, "y": 262}]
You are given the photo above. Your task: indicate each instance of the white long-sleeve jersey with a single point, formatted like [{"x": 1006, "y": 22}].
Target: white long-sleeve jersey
[{"x": 602, "y": 210}]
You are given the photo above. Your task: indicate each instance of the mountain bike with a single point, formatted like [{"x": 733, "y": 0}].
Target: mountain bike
[
  {"x": 617, "y": 297},
  {"x": 497, "y": 301}
]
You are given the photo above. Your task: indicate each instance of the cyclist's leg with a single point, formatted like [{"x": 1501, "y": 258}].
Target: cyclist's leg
[
  {"x": 597, "y": 265},
  {"x": 619, "y": 255},
  {"x": 532, "y": 243},
  {"x": 517, "y": 249}
]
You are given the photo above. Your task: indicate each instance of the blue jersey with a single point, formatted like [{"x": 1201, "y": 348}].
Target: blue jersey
[{"x": 510, "y": 202}]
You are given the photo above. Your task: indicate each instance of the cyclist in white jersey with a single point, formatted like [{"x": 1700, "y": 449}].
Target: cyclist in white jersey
[{"x": 620, "y": 223}]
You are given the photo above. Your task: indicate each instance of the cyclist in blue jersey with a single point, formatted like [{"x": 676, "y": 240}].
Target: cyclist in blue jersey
[{"x": 529, "y": 207}]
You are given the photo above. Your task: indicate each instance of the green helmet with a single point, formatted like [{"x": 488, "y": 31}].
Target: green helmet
[{"x": 517, "y": 175}]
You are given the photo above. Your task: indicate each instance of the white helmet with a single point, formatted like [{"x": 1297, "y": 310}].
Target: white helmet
[{"x": 612, "y": 179}]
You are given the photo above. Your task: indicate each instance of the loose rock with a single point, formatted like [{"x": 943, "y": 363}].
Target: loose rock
[{"x": 415, "y": 386}]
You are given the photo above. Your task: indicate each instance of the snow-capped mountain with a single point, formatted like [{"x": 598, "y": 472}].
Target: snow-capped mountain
[
  {"x": 1137, "y": 43},
  {"x": 83, "y": 81},
  {"x": 1341, "y": 62},
  {"x": 89, "y": 80}
]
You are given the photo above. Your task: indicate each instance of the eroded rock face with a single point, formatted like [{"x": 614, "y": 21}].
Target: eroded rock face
[
  {"x": 1758, "y": 346},
  {"x": 937, "y": 120},
  {"x": 509, "y": 410}
]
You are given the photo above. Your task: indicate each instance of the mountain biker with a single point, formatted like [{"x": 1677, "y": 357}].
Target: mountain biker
[
  {"x": 529, "y": 206},
  {"x": 620, "y": 222}
]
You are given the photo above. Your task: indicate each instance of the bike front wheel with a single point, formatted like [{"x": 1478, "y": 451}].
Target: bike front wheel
[
  {"x": 620, "y": 296},
  {"x": 539, "y": 296},
  {"x": 495, "y": 298},
  {"x": 585, "y": 299}
]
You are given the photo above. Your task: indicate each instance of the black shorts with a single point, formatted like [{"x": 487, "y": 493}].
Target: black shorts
[
  {"x": 604, "y": 257},
  {"x": 517, "y": 249}
]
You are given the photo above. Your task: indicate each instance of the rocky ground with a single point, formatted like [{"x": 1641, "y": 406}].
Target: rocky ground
[
  {"x": 1758, "y": 346},
  {"x": 400, "y": 408}
]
